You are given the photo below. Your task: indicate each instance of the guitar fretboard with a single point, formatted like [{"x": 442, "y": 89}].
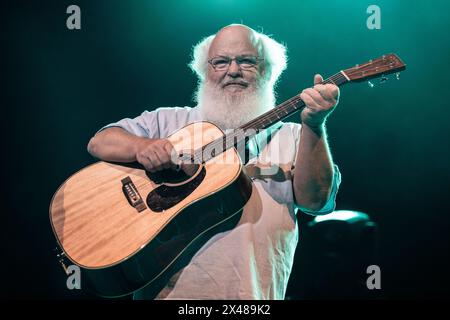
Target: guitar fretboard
[{"x": 264, "y": 121}]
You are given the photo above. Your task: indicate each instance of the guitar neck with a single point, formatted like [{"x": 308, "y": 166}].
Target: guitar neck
[
  {"x": 262, "y": 122},
  {"x": 383, "y": 65},
  {"x": 288, "y": 107}
]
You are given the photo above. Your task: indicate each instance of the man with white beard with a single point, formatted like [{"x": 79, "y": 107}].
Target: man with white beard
[{"x": 238, "y": 69}]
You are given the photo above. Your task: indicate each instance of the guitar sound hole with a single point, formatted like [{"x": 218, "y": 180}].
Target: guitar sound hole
[
  {"x": 166, "y": 196},
  {"x": 174, "y": 176}
]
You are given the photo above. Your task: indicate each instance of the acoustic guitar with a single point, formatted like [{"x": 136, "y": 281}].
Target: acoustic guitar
[{"x": 127, "y": 228}]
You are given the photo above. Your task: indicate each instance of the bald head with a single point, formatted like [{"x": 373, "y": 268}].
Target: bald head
[
  {"x": 229, "y": 43},
  {"x": 238, "y": 35},
  {"x": 233, "y": 40}
]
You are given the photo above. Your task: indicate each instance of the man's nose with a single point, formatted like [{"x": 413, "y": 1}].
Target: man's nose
[{"x": 234, "y": 70}]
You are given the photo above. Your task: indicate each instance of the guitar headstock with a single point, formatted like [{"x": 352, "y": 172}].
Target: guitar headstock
[{"x": 386, "y": 64}]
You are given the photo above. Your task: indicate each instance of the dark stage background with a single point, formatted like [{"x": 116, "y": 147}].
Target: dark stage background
[{"x": 60, "y": 86}]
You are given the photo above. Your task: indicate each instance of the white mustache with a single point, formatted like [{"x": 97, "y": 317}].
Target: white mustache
[{"x": 245, "y": 84}]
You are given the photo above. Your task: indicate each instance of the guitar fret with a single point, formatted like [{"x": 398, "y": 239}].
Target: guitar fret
[{"x": 280, "y": 112}]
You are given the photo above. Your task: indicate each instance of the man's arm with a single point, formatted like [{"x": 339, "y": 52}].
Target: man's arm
[
  {"x": 313, "y": 173},
  {"x": 116, "y": 144}
]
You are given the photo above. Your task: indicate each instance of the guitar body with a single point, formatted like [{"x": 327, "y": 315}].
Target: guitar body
[{"x": 128, "y": 228}]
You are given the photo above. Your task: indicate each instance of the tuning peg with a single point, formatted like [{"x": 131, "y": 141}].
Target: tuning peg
[
  {"x": 383, "y": 79},
  {"x": 397, "y": 75},
  {"x": 371, "y": 85}
]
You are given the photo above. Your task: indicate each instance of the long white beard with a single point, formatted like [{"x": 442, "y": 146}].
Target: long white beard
[{"x": 232, "y": 110}]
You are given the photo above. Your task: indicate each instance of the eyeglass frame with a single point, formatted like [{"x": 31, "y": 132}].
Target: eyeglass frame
[{"x": 258, "y": 60}]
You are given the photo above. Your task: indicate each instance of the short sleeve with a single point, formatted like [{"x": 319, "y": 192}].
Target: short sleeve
[
  {"x": 330, "y": 205},
  {"x": 144, "y": 125}
]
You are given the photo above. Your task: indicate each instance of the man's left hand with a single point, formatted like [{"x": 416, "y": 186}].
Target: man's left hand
[{"x": 320, "y": 102}]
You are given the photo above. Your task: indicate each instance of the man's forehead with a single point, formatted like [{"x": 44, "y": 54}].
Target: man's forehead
[{"x": 233, "y": 40}]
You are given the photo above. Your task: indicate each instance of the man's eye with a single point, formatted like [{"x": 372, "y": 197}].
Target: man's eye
[
  {"x": 220, "y": 62},
  {"x": 248, "y": 61}
]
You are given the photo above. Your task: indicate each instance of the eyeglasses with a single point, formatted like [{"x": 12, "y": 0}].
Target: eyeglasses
[{"x": 222, "y": 63}]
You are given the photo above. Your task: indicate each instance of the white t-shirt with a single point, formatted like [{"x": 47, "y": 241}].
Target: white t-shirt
[{"x": 253, "y": 260}]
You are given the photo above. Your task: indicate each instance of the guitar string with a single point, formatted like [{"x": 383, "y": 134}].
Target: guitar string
[
  {"x": 262, "y": 119},
  {"x": 288, "y": 103},
  {"x": 338, "y": 79},
  {"x": 226, "y": 141}
]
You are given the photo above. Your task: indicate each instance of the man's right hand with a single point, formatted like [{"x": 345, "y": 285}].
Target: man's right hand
[{"x": 155, "y": 154}]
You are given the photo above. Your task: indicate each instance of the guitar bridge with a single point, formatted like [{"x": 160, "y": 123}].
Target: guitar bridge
[{"x": 132, "y": 195}]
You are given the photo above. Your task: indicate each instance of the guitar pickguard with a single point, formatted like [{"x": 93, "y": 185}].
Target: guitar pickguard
[{"x": 166, "y": 196}]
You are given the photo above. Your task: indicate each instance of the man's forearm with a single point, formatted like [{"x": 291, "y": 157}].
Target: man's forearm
[
  {"x": 114, "y": 144},
  {"x": 313, "y": 173}
]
